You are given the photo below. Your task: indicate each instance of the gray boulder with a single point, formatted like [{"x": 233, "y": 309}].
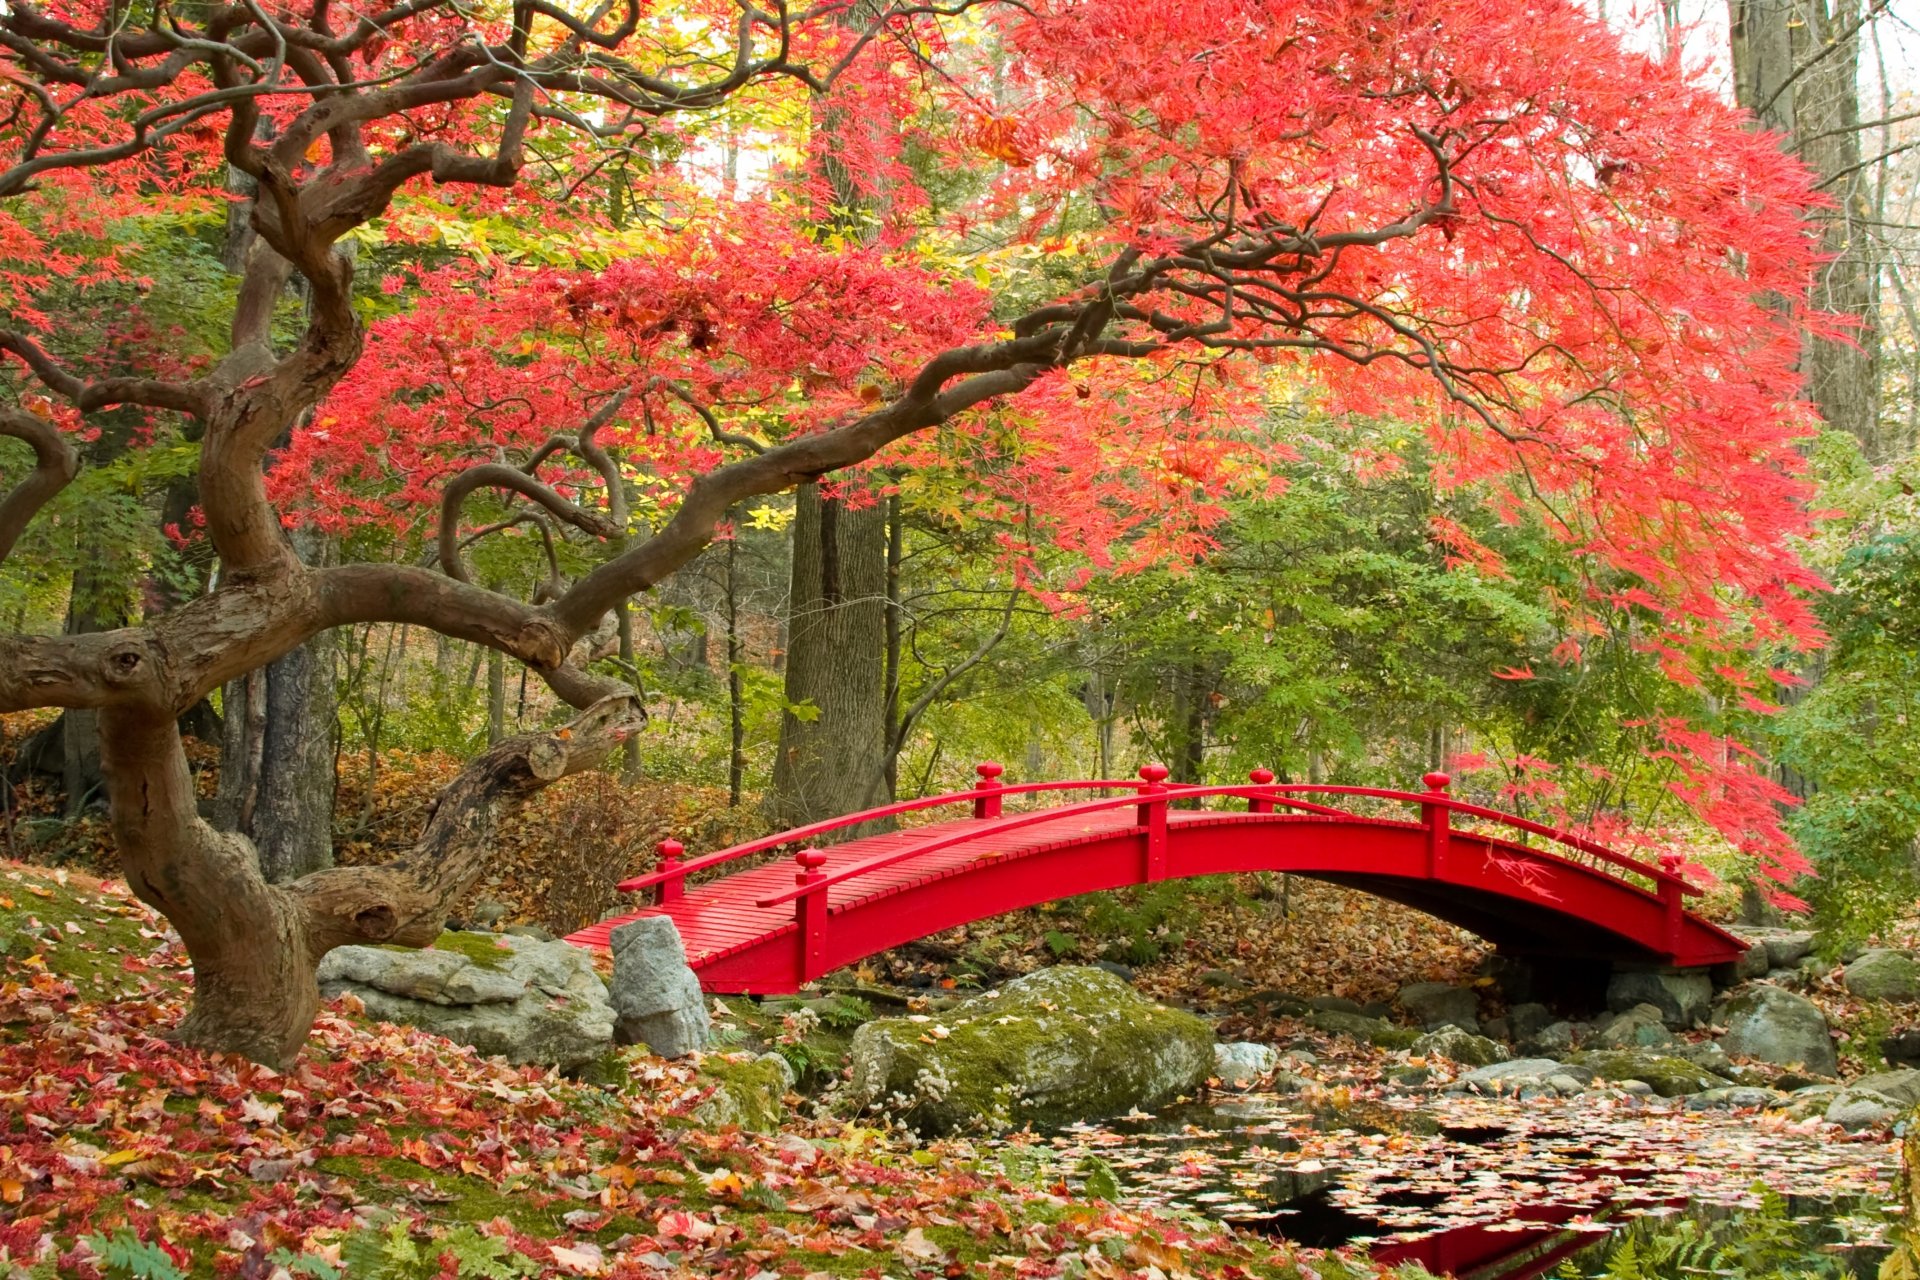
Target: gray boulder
[
  {"x": 1519, "y": 1075},
  {"x": 1459, "y": 1046},
  {"x": 1754, "y": 962},
  {"x": 1682, "y": 997},
  {"x": 1782, "y": 948},
  {"x": 1243, "y": 1064},
  {"x": 1883, "y": 975},
  {"x": 1772, "y": 1025},
  {"x": 527, "y": 1001},
  {"x": 1856, "y": 1108},
  {"x": 1641, "y": 1027},
  {"x": 1902, "y": 1086},
  {"x": 1060, "y": 1045},
  {"x": 1553, "y": 1039},
  {"x": 1437, "y": 1004},
  {"x": 657, "y": 1001}
]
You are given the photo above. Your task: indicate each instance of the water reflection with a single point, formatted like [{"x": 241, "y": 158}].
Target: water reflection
[{"x": 1475, "y": 1187}]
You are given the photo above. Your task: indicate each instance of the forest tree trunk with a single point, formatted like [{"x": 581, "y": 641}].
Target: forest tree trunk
[
  {"x": 1796, "y": 65},
  {"x": 833, "y": 763},
  {"x": 277, "y": 752}
]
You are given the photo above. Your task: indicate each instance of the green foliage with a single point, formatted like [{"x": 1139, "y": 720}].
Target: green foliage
[
  {"x": 393, "y": 1254},
  {"x": 1098, "y": 1179},
  {"x": 125, "y": 1256},
  {"x": 1763, "y": 1243},
  {"x": 304, "y": 1264},
  {"x": 1855, "y": 734}
]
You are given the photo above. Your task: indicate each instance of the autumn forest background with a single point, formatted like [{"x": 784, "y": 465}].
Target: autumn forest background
[{"x": 787, "y": 411}]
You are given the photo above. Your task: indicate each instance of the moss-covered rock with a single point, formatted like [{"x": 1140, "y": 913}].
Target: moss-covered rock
[
  {"x": 1670, "y": 1077},
  {"x": 1377, "y": 1032},
  {"x": 1057, "y": 1046},
  {"x": 748, "y": 1092}
]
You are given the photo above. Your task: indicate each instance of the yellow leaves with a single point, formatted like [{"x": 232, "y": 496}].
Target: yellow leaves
[
  {"x": 12, "y": 1191},
  {"x": 119, "y": 1157},
  {"x": 724, "y": 1184},
  {"x": 771, "y": 518}
]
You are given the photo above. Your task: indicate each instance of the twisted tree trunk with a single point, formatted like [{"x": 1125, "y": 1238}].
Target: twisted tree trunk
[{"x": 255, "y": 944}]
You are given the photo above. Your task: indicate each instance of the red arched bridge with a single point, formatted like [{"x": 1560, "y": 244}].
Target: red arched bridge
[{"x": 769, "y": 927}]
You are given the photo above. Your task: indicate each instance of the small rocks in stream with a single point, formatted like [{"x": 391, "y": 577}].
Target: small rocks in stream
[
  {"x": 1641, "y": 1027},
  {"x": 1554, "y": 1038},
  {"x": 1241, "y": 1064},
  {"x": 1460, "y": 1046},
  {"x": 1375, "y": 1031},
  {"x": 1736, "y": 1097},
  {"x": 1855, "y": 1109},
  {"x": 1670, "y": 1077},
  {"x": 1439, "y": 1004},
  {"x": 1520, "y": 1074}
]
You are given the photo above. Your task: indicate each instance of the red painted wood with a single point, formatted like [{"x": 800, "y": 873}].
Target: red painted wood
[{"x": 771, "y": 928}]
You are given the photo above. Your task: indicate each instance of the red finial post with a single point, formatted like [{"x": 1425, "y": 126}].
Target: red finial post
[
  {"x": 810, "y": 913},
  {"x": 675, "y": 885},
  {"x": 1153, "y": 820},
  {"x": 986, "y": 803},
  {"x": 1439, "y": 821},
  {"x": 1260, "y": 778}
]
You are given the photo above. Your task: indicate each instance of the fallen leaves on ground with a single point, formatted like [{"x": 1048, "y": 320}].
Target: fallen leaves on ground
[{"x": 386, "y": 1143}]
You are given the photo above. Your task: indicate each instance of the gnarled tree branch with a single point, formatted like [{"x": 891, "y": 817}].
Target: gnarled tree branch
[{"x": 55, "y": 465}]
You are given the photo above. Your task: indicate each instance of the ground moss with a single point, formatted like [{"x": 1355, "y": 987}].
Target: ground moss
[
  {"x": 749, "y": 1093},
  {"x": 35, "y": 911},
  {"x": 484, "y": 949}
]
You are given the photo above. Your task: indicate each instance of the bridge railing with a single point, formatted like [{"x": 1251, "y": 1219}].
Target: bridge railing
[
  {"x": 986, "y": 797},
  {"x": 1151, "y": 797}
]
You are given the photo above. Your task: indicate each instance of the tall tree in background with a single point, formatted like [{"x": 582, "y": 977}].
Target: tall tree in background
[
  {"x": 1490, "y": 218},
  {"x": 1796, "y": 66}
]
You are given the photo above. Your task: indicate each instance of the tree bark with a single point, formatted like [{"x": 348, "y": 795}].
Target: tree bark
[
  {"x": 276, "y": 760},
  {"x": 836, "y": 662},
  {"x": 255, "y": 944},
  {"x": 1797, "y": 66}
]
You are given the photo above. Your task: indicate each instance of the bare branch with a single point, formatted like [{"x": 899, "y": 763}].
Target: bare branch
[
  {"x": 720, "y": 434},
  {"x": 153, "y": 393}
]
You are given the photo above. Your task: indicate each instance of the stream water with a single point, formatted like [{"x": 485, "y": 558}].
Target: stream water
[{"x": 1478, "y": 1187}]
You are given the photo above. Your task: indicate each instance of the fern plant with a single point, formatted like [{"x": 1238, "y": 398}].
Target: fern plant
[
  {"x": 1762, "y": 1243},
  {"x": 125, "y": 1256}
]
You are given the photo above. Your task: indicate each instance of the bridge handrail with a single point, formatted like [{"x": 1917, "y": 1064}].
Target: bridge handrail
[
  {"x": 972, "y": 795},
  {"x": 1181, "y": 791},
  {"x": 1653, "y": 872}
]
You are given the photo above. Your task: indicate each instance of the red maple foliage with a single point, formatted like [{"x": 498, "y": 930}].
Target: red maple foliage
[{"x": 1579, "y": 270}]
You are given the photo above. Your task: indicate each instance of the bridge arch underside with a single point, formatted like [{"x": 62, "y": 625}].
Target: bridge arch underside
[{"x": 1525, "y": 902}]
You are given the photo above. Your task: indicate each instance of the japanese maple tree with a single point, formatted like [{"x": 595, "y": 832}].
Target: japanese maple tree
[{"x": 1580, "y": 268}]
